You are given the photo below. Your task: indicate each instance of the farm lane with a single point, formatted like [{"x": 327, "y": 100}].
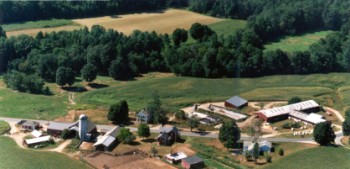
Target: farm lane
[{"x": 339, "y": 134}]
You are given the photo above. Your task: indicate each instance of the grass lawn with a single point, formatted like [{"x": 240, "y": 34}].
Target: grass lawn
[
  {"x": 319, "y": 157},
  {"x": 4, "y": 127},
  {"x": 37, "y": 24},
  {"x": 11, "y": 156},
  {"x": 297, "y": 42}
]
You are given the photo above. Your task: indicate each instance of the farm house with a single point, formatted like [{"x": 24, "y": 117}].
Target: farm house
[{"x": 236, "y": 102}]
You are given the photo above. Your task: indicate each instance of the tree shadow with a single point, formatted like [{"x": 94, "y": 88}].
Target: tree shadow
[
  {"x": 74, "y": 89},
  {"x": 135, "y": 143},
  {"x": 149, "y": 140},
  {"x": 97, "y": 85}
]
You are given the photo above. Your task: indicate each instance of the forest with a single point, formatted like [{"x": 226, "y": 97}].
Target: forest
[{"x": 61, "y": 56}]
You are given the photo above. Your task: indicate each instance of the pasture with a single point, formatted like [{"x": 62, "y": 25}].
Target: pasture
[
  {"x": 178, "y": 92},
  {"x": 33, "y": 27},
  {"x": 228, "y": 27},
  {"x": 161, "y": 22},
  {"x": 320, "y": 157},
  {"x": 297, "y": 42},
  {"x": 12, "y": 156}
]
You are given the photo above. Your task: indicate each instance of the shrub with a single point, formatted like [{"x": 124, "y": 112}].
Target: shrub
[
  {"x": 180, "y": 115},
  {"x": 286, "y": 125},
  {"x": 268, "y": 159},
  {"x": 293, "y": 100},
  {"x": 281, "y": 152},
  {"x": 295, "y": 125}
]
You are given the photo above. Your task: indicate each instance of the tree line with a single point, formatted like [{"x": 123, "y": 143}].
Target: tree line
[
  {"x": 18, "y": 11},
  {"x": 61, "y": 56},
  {"x": 272, "y": 19}
]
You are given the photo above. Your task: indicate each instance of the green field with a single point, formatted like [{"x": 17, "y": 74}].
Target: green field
[
  {"x": 178, "y": 92},
  {"x": 11, "y": 156},
  {"x": 228, "y": 27},
  {"x": 296, "y": 43},
  {"x": 223, "y": 28},
  {"x": 37, "y": 24},
  {"x": 320, "y": 158},
  {"x": 24, "y": 105}
]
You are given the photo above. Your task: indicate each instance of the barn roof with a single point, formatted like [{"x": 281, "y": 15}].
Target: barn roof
[
  {"x": 236, "y": 101},
  {"x": 30, "y": 123},
  {"x": 292, "y": 108},
  {"x": 109, "y": 137},
  {"x": 58, "y": 126},
  {"x": 193, "y": 160}
]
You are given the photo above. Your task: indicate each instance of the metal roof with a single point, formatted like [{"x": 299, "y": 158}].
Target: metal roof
[
  {"x": 277, "y": 111},
  {"x": 193, "y": 159},
  {"x": 58, "y": 126},
  {"x": 30, "y": 123},
  {"x": 37, "y": 140},
  {"x": 106, "y": 141},
  {"x": 176, "y": 156},
  {"x": 236, "y": 101}
]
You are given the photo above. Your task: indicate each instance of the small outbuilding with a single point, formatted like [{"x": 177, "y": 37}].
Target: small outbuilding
[
  {"x": 264, "y": 146},
  {"x": 236, "y": 102},
  {"x": 175, "y": 158},
  {"x": 192, "y": 162},
  {"x": 36, "y": 133},
  {"x": 35, "y": 141}
]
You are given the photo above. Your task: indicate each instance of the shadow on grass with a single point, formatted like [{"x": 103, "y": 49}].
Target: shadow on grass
[
  {"x": 74, "y": 89},
  {"x": 97, "y": 85}
]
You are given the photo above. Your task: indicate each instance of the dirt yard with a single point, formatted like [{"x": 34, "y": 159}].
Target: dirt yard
[
  {"x": 101, "y": 160},
  {"x": 161, "y": 22}
]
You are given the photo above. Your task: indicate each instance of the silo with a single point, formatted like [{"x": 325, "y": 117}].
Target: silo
[{"x": 82, "y": 127}]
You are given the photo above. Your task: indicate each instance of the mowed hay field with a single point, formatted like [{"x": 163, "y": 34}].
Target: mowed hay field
[
  {"x": 320, "y": 158},
  {"x": 297, "y": 42},
  {"x": 178, "y": 92},
  {"x": 162, "y": 22},
  {"x": 12, "y": 156}
]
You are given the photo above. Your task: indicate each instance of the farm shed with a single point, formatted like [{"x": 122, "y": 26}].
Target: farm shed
[
  {"x": 298, "y": 110},
  {"x": 107, "y": 141},
  {"x": 36, "y": 133},
  {"x": 192, "y": 162},
  {"x": 36, "y": 141},
  {"x": 236, "y": 102},
  {"x": 55, "y": 128},
  {"x": 175, "y": 158}
]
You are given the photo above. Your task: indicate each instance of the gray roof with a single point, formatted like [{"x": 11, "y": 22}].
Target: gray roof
[
  {"x": 30, "y": 123},
  {"x": 114, "y": 132},
  {"x": 168, "y": 129},
  {"x": 237, "y": 101},
  {"x": 143, "y": 113},
  {"x": 193, "y": 160},
  {"x": 58, "y": 126}
]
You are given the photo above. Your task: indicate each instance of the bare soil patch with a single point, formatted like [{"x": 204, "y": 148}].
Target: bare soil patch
[
  {"x": 165, "y": 22},
  {"x": 95, "y": 115}
]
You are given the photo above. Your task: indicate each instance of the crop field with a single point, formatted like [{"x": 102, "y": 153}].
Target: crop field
[
  {"x": 11, "y": 156},
  {"x": 320, "y": 157},
  {"x": 161, "y": 22},
  {"x": 297, "y": 42}
]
